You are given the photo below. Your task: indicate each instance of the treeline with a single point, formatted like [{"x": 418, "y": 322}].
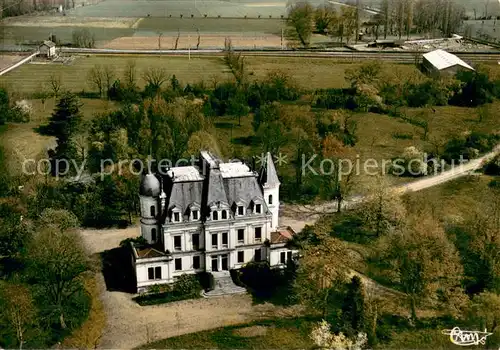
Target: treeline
[{"x": 397, "y": 17}]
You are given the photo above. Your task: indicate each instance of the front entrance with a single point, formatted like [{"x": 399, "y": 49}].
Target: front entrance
[
  {"x": 215, "y": 263},
  {"x": 224, "y": 263},
  {"x": 221, "y": 261}
]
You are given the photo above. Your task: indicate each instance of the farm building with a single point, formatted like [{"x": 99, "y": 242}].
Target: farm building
[
  {"x": 47, "y": 49},
  {"x": 439, "y": 61}
]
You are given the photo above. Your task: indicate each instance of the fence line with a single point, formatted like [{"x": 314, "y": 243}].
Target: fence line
[{"x": 20, "y": 63}]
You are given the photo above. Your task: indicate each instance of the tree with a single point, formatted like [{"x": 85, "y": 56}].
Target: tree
[
  {"x": 64, "y": 124},
  {"x": 339, "y": 183},
  {"x": 421, "y": 261},
  {"x": 17, "y": 310},
  {"x": 155, "y": 77},
  {"x": 108, "y": 77},
  {"x": 322, "y": 271},
  {"x": 57, "y": 260},
  {"x": 235, "y": 62},
  {"x": 484, "y": 311},
  {"x": 4, "y": 106},
  {"x": 385, "y": 13},
  {"x": 324, "y": 18},
  {"x": 83, "y": 38},
  {"x": 130, "y": 74},
  {"x": 347, "y": 23},
  {"x": 96, "y": 78},
  {"x": 14, "y": 231},
  {"x": 353, "y": 307},
  {"x": 55, "y": 82},
  {"x": 300, "y": 22},
  {"x": 383, "y": 210}
]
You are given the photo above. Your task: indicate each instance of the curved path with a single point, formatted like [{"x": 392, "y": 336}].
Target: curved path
[{"x": 298, "y": 216}]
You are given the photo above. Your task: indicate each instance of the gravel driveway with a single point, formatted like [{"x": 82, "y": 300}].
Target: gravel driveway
[{"x": 130, "y": 325}]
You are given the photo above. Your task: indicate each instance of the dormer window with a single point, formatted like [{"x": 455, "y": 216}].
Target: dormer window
[
  {"x": 177, "y": 217},
  {"x": 240, "y": 210},
  {"x": 215, "y": 215},
  {"x": 224, "y": 214},
  {"x": 258, "y": 208},
  {"x": 195, "y": 214}
]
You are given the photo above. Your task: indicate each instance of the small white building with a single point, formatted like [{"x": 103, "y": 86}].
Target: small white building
[
  {"x": 212, "y": 216},
  {"x": 440, "y": 62},
  {"x": 47, "y": 49}
]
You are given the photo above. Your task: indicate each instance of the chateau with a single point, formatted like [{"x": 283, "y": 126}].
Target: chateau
[{"x": 212, "y": 216}]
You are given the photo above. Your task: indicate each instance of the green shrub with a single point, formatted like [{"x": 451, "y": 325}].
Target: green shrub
[{"x": 188, "y": 285}]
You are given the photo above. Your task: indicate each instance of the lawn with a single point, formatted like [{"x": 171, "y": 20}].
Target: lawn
[
  {"x": 21, "y": 141},
  {"x": 284, "y": 333},
  {"x": 452, "y": 199},
  {"x": 310, "y": 73}
]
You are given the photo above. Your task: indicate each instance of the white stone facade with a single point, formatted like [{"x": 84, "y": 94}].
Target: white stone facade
[{"x": 211, "y": 217}]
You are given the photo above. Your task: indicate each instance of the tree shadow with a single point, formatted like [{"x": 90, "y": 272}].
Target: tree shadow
[
  {"x": 224, "y": 125},
  {"x": 118, "y": 271},
  {"x": 246, "y": 140}
]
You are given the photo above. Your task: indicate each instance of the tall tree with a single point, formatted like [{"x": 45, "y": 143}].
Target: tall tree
[
  {"x": 353, "y": 307},
  {"x": 57, "y": 260},
  {"x": 236, "y": 63},
  {"x": 322, "y": 271},
  {"x": 325, "y": 17},
  {"x": 383, "y": 210},
  {"x": 17, "y": 310},
  {"x": 421, "y": 261},
  {"x": 64, "y": 125},
  {"x": 300, "y": 22}
]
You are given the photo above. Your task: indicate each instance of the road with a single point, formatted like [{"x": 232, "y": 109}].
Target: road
[{"x": 298, "y": 216}]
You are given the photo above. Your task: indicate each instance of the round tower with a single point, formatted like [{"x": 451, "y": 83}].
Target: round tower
[{"x": 149, "y": 197}]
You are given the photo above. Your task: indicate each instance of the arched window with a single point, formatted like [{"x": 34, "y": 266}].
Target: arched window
[
  {"x": 270, "y": 201},
  {"x": 153, "y": 210},
  {"x": 153, "y": 234},
  {"x": 215, "y": 215},
  {"x": 224, "y": 214}
]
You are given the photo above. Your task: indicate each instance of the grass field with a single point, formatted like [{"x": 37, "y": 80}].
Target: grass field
[
  {"x": 310, "y": 73},
  {"x": 21, "y": 141},
  {"x": 275, "y": 334}
]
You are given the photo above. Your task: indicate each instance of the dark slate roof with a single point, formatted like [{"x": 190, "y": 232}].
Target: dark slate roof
[
  {"x": 242, "y": 189},
  {"x": 216, "y": 192},
  {"x": 185, "y": 187},
  {"x": 268, "y": 175},
  {"x": 183, "y": 194},
  {"x": 150, "y": 186}
]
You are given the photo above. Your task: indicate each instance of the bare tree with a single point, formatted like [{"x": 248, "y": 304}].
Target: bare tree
[
  {"x": 177, "y": 39},
  {"x": 55, "y": 82},
  {"x": 108, "y": 77},
  {"x": 95, "y": 78},
  {"x": 155, "y": 77},
  {"x": 130, "y": 74}
]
